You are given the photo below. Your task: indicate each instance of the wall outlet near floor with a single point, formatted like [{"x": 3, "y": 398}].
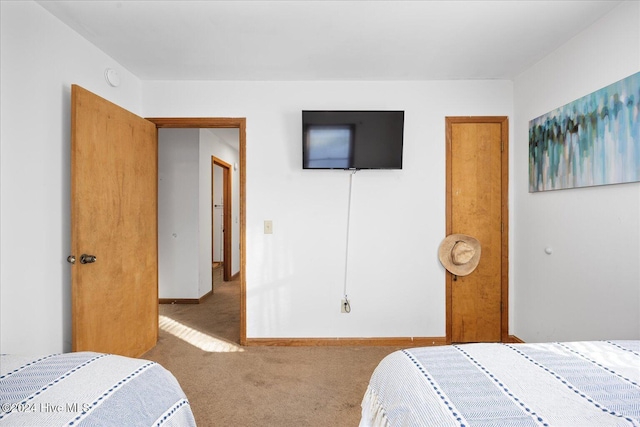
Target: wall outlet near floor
[{"x": 344, "y": 306}]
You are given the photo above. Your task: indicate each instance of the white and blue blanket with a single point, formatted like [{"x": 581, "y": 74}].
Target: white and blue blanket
[
  {"x": 579, "y": 384},
  {"x": 89, "y": 389}
]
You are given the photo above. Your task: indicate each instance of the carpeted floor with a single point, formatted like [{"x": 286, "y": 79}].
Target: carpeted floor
[{"x": 229, "y": 385}]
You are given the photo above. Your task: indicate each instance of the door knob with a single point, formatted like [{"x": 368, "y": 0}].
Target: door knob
[
  {"x": 87, "y": 259},
  {"x": 71, "y": 259}
]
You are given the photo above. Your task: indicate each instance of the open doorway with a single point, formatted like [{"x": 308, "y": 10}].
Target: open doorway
[
  {"x": 238, "y": 124},
  {"x": 221, "y": 215}
]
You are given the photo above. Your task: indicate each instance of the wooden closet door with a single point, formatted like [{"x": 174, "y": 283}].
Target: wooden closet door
[{"x": 476, "y": 201}]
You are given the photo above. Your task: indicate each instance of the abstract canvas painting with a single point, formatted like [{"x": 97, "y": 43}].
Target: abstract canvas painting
[{"x": 594, "y": 140}]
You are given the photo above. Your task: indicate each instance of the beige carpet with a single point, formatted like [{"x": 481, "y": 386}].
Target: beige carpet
[{"x": 229, "y": 385}]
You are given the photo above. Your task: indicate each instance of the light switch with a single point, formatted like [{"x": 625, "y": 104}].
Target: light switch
[{"x": 268, "y": 226}]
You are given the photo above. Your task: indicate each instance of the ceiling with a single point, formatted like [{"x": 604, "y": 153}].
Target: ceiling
[{"x": 328, "y": 40}]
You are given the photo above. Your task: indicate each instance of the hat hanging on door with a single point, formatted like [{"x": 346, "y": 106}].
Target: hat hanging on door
[{"x": 459, "y": 253}]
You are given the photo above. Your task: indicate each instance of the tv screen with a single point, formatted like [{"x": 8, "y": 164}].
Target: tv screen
[{"x": 352, "y": 139}]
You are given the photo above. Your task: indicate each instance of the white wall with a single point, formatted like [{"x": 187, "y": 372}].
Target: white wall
[
  {"x": 40, "y": 58},
  {"x": 589, "y": 288},
  {"x": 295, "y": 275},
  {"x": 178, "y": 200},
  {"x": 184, "y": 210}
]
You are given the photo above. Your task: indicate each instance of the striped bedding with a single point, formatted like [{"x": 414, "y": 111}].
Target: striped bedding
[
  {"x": 89, "y": 389},
  {"x": 570, "y": 384}
]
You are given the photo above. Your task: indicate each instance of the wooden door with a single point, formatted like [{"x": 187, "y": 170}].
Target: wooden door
[
  {"x": 114, "y": 218},
  {"x": 477, "y": 186},
  {"x": 226, "y": 214}
]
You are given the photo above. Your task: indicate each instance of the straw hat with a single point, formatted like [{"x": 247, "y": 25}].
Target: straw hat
[{"x": 459, "y": 254}]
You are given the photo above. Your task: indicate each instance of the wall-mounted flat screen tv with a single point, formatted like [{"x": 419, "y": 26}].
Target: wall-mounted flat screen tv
[{"x": 352, "y": 139}]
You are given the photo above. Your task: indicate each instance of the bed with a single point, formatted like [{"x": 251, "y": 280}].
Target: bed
[
  {"x": 89, "y": 389},
  {"x": 580, "y": 384}
]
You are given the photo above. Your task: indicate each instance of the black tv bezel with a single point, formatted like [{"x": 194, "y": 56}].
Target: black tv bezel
[{"x": 304, "y": 143}]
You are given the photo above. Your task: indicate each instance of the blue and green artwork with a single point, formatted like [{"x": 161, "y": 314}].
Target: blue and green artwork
[{"x": 594, "y": 140}]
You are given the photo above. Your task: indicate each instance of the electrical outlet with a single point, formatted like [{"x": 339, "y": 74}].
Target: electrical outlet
[
  {"x": 268, "y": 226},
  {"x": 344, "y": 306}
]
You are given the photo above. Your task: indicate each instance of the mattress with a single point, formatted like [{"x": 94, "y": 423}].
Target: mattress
[
  {"x": 89, "y": 389},
  {"x": 566, "y": 384}
]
